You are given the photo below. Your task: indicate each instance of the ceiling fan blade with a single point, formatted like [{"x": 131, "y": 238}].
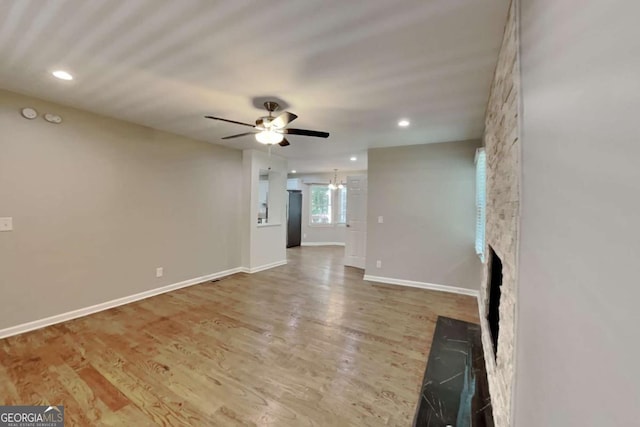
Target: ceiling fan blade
[
  {"x": 283, "y": 119},
  {"x": 239, "y": 135},
  {"x": 306, "y": 132},
  {"x": 230, "y": 121},
  {"x": 284, "y": 143}
]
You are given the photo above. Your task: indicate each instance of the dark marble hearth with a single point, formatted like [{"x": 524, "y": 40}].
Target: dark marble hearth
[{"x": 455, "y": 390}]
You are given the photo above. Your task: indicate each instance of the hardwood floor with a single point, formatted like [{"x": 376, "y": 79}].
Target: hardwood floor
[{"x": 306, "y": 344}]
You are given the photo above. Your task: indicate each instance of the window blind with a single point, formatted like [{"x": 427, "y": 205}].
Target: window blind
[{"x": 481, "y": 202}]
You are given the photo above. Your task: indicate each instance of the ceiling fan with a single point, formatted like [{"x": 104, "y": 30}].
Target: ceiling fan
[{"x": 271, "y": 130}]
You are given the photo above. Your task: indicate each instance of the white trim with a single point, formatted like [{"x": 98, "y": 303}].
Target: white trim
[
  {"x": 422, "y": 285},
  {"x": 81, "y": 312},
  {"x": 269, "y": 224},
  {"x": 322, "y": 244},
  {"x": 315, "y": 182},
  {"x": 263, "y": 267}
]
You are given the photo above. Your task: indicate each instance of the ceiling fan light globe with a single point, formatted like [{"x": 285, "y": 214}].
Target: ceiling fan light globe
[
  {"x": 340, "y": 186},
  {"x": 269, "y": 137}
]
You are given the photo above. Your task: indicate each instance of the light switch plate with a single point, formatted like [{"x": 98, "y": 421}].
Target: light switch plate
[
  {"x": 380, "y": 219},
  {"x": 6, "y": 224}
]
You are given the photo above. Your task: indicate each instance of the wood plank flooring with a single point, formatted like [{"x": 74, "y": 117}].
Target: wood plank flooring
[{"x": 306, "y": 344}]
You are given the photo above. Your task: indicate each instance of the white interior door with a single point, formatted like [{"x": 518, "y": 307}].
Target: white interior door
[{"x": 356, "y": 236}]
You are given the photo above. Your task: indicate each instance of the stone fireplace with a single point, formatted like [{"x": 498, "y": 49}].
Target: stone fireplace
[{"x": 502, "y": 147}]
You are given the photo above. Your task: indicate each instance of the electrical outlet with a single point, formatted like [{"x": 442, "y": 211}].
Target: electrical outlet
[
  {"x": 378, "y": 264},
  {"x": 6, "y": 224},
  {"x": 159, "y": 271},
  {"x": 304, "y": 235}
]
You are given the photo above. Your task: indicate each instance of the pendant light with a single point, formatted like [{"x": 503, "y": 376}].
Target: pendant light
[{"x": 333, "y": 185}]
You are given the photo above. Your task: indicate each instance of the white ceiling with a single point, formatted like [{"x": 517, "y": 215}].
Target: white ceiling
[{"x": 349, "y": 67}]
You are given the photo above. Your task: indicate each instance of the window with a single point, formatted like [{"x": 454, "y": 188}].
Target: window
[
  {"x": 321, "y": 206},
  {"x": 481, "y": 201},
  {"x": 342, "y": 205},
  {"x": 328, "y": 206}
]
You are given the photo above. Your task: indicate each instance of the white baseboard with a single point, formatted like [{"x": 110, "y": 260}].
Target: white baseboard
[
  {"x": 422, "y": 285},
  {"x": 59, "y": 318},
  {"x": 262, "y": 267},
  {"x": 63, "y": 317},
  {"x": 322, "y": 244}
]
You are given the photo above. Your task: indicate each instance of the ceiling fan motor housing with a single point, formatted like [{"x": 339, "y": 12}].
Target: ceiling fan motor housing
[{"x": 271, "y": 106}]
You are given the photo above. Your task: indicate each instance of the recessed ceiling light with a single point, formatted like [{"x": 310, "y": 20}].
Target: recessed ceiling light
[
  {"x": 353, "y": 159},
  {"x": 293, "y": 171},
  {"x": 62, "y": 75},
  {"x": 403, "y": 123}
]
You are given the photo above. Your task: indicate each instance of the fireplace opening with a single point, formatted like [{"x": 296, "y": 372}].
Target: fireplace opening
[{"x": 495, "y": 290}]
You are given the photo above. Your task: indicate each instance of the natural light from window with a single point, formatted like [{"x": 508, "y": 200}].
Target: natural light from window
[
  {"x": 481, "y": 201},
  {"x": 342, "y": 205},
  {"x": 321, "y": 206},
  {"x": 327, "y": 207}
]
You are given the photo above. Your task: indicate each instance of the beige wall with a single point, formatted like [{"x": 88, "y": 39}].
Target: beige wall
[
  {"x": 579, "y": 284},
  {"x": 98, "y": 204},
  {"x": 426, "y": 195}
]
